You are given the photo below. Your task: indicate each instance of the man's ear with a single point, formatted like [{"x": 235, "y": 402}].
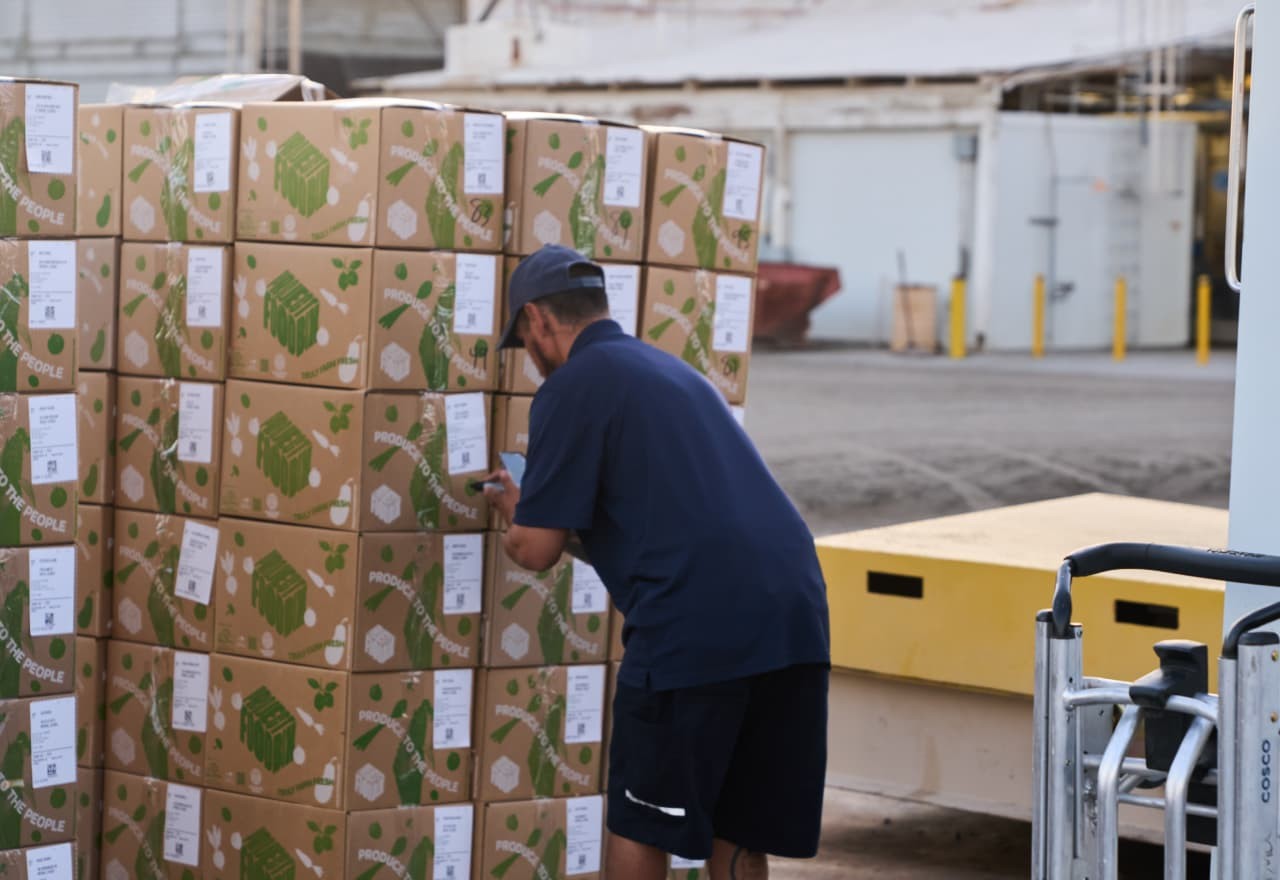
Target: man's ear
[{"x": 535, "y": 319}]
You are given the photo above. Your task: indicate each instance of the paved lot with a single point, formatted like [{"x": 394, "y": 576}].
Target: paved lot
[{"x": 861, "y": 439}]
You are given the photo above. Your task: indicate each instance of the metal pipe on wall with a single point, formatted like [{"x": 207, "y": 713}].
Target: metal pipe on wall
[{"x": 295, "y": 36}]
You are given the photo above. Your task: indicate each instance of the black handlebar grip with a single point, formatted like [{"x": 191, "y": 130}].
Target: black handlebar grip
[{"x": 1214, "y": 565}]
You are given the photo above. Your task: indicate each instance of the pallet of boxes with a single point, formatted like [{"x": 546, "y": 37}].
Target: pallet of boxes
[{"x": 39, "y": 483}]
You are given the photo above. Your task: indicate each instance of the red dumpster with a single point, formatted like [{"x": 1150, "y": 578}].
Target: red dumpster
[{"x": 785, "y": 295}]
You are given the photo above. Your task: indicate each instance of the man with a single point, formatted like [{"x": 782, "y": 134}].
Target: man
[{"x": 719, "y": 742}]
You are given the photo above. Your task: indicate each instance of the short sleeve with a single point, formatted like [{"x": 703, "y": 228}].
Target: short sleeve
[{"x": 562, "y": 475}]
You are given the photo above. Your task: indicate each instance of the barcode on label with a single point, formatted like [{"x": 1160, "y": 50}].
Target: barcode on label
[
  {"x": 191, "y": 447},
  {"x": 582, "y": 729},
  {"x": 466, "y": 458},
  {"x": 208, "y": 178},
  {"x": 52, "y": 466},
  {"x": 177, "y": 847},
  {"x": 51, "y": 770},
  {"x": 49, "y": 312},
  {"x": 448, "y": 871},
  {"x": 48, "y": 619},
  {"x": 448, "y": 733},
  {"x": 46, "y": 157},
  {"x": 191, "y": 585},
  {"x": 582, "y": 859},
  {"x": 459, "y": 599},
  {"x": 186, "y": 714}
]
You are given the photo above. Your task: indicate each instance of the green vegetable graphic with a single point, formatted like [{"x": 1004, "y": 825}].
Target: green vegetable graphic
[
  {"x": 279, "y": 593},
  {"x": 366, "y": 739},
  {"x": 323, "y": 841},
  {"x": 16, "y": 450},
  {"x": 268, "y": 729},
  {"x": 14, "y": 613},
  {"x": 263, "y": 858},
  {"x": 171, "y": 324},
  {"x": 160, "y": 598},
  {"x": 90, "y": 484},
  {"x": 702, "y": 333},
  {"x": 417, "y": 640},
  {"x": 158, "y": 715},
  {"x": 99, "y": 347},
  {"x": 549, "y": 635},
  {"x": 174, "y": 187},
  {"x": 85, "y": 616},
  {"x": 146, "y": 865},
  {"x": 431, "y": 356},
  {"x": 103, "y": 216},
  {"x": 407, "y": 773},
  {"x": 11, "y": 142},
  {"x": 284, "y": 455},
  {"x": 382, "y": 459},
  {"x": 506, "y": 865},
  {"x": 541, "y": 770},
  {"x": 585, "y": 208},
  {"x": 13, "y": 766},
  {"x": 442, "y": 223},
  {"x": 11, "y": 297},
  {"x": 162, "y": 464},
  {"x": 302, "y": 175},
  {"x": 291, "y": 313},
  {"x": 426, "y": 505},
  {"x": 704, "y": 237}
]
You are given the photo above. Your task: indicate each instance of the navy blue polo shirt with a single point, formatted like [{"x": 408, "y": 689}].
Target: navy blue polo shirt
[{"x": 710, "y": 563}]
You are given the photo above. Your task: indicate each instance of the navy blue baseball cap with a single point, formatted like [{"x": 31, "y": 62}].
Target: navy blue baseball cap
[{"x": 550, "y": 270}]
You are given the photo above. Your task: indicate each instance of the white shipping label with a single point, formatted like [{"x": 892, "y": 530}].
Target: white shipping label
[
  {"x": 451, "y": 727},
  {"x": 463, "y": 573},
  {"x": 53, "y": 742},
  {"x": 54, "y": 457},
  {"x": 475, "y": 293},
  {"x": 583, "y": 820},
  {"x": 623, "y": 166},
  {"x": 453, "y": 843},
  {"x": 190, "y": 691},
  {"x": 732, "y": 329},
  {"x": 50, "y": 862},
  {"x": 50, "y": 121},
  {"x": 195, "y": 423},
  {"x": 589, "y": 593},
  {"x": 52, "y": 290},
  {"x": 182, "y": 825},
  {"x": 679, "y": 864},
  {"x": 742, "y": 182},
  {"x": 204, "y": 287},
  {"x": 584, "y": 705},
  {"x": 465, "y": 432},
  {"x": 482, "y": 153},
  {"x": 196, "y": 562},
  {"x": 52, "y": 584},
  {"x": 622, "y": 286},
  {"x": 211, "y": 170}
]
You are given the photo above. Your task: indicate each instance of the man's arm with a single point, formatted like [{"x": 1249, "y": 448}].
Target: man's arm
[{"x": 529, "y": 547}]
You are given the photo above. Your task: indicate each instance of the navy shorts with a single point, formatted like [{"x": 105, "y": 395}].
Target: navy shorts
[{"x": 743, "y": 761}]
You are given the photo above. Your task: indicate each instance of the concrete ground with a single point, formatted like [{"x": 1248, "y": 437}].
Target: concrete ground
[{"x": 867, "y": 438}]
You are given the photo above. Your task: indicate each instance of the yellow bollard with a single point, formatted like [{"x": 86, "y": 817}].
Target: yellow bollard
[
  {"x": 1037, "y": 318},
  {"x": 957, "y": 317},
  {"x": 1202, "y": 320},
  {"x": 1118, "y": 339}
]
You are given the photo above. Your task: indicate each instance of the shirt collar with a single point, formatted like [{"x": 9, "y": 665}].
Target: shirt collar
[{"x": 596, "y": 331}]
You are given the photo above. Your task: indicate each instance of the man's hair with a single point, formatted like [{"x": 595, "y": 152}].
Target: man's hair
[{"x": 576, "y": 307}]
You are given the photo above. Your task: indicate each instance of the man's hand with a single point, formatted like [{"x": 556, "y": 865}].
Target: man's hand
[{"x": 502, "y": 499}]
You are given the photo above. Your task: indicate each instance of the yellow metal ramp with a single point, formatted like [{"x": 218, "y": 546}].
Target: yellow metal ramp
[{"x": 952, "y": 601}]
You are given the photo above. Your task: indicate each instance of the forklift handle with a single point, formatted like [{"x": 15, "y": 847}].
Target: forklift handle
[{"x": 1218, "y": 565}]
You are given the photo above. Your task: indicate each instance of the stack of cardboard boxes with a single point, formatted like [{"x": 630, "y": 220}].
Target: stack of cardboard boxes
[{"x": 39, "y": 485}]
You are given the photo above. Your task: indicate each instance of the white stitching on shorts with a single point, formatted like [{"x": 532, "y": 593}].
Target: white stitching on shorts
[{"x": 678, "y": 812}]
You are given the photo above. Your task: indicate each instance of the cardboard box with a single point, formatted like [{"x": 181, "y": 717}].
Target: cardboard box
[
  {"x": 535, "y": 839},
  {"x": 610, "y": 695},
  {"x": 299, "y": 599},
  {"x": 279, "y": 731},
  {"x": 174, "y": 310},
  {"x": 38, "y": 158},
  {"x": 706, "y": 320},
  {"x": 137, "y": 813},
  {"x": 180, "y": 173},
  {"x": 301, "y": 314},
  {"x": 542, "y": 730},
  {"x": 233, "y": 88},
  {"x": 437, "y": 321},
  {"x": 309, "y": 172},
  {"x": 441, "y": 182},
  {"x": 38, "y": 862},
  {"x": 38, "y": 329},
  {"x": 168, "y": 445},
  {"x": 519, "y": 374},
  {"x": 685, "y": 869},
  {"x": 276, "y": 841},
  {"x": 91, "y": 700},
  {"x": 88, "y": 844},
  {"x": 157, "y": 711},
  {"x": 96, "y": 432},
  {"x": 705, "y": 204},
  {"x": 37, "y": 621},
  {"x": 149, "y": 607},
  {"x": 577, "y": 182},
  {"x": 410, "y": 739},
  {"x": 544, "y": 618},
  {"x": 99, "y": 168},
  {"x": 420, "y": 600},
  {"x": 38, "y": 774},
  {"x": 293, "y": 454},
  {"x": 39, "y": 469},
  {"x": 95, "y": 570},
  {"x": 434, "y": 446},
  {"x": 616, "y": 623},
  {"x": 412, "y": 842},
  {"x": 510, "y": 425},
  {"x": 97, "y": 286}
]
